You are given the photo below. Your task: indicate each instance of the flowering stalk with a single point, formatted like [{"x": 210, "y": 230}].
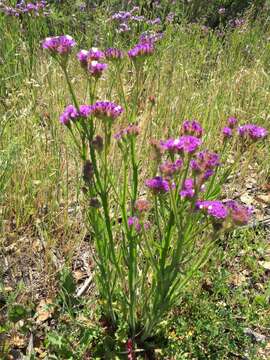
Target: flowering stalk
[{"x": 146, "y": 249}]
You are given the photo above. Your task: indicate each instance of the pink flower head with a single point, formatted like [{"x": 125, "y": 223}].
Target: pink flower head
[
  {"x": 141, "y": 50},
  {"x": 61, "y": 45},
  {"x": 130, "y": 131},
  {"x": 71, "y": 113},
  {"x": 94, "y": 54},
  {"x": 142, "y": 205},
  {"x": 240, "y": 214},
  {"x": 134, "y": 222},
  {"x": 232, "y": 122},
  {"x": 205, "y": 160},
  {"x": 158, "y": 185},
  {"x": 170, "y": 145},
  {"x": 113, "y": 54},
  {"x": 96, "y": 69},
  {"x": 215, "y": 209},
  {"x": 168, "y": 169},
  {"x": 106, "y": 110},
  {"x": 252, "y": 132},
  {"x": 188, "y": 144},
  {"x": 188, "y": 190},
  {"x": 191, "y": 127},
  {"x": 227, "y": 132},
  {"x": 82, "y": 56}
]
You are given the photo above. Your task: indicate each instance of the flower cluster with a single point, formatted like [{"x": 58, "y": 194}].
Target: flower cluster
[
  {"x": 252, "y": 132},
  {"x": 141, "y": 50},
  {"x": 59, "y": 44},
  {"x": 38, "y": 8},
  {"x": 134, "y": 222},
  {"x": 114, "y": 54},
  {"x": 150, "y": 37},
  {"x": 168, "y": 169},
  {"x": 71, "y": 113},
  {"x": 205, "y": 160},
  {"x": 230, "y": 210},
  {"x": 106, "y": 110},
  {"x": 188, "y": 190},
  {"x": 89, "y": 60},
  {"x": 227, "y": 131},
  {"x": 126, "y": 18},
  {"x": 101, "y": 109},
  {"x": 129, "y": 131},
  {"x": 214, "y": 208},
  {"x": 86, "y": 56},
  {"x": 96, "y": 69},
  {"x": 184, "y": 144},
  {"x": 191, "y": 127},
  {"x": 158, "y": 185}
]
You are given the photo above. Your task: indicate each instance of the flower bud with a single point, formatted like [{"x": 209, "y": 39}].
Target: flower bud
[
  {"x": 88, "y": 171},
  {"x": 98, "y": 143}
]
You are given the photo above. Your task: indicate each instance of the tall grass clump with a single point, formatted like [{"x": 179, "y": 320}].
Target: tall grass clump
[{"x": 152, "y": 224}]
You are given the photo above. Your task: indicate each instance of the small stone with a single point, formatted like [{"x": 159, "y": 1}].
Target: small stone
[{"x": 257, "y": 337}]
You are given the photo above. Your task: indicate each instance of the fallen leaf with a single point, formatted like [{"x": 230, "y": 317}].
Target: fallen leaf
[
  {"x": 18, "y": 341},
  {"x": 237, "y": 279},
  {"x": 265, "y": 264},
  {"x": 44, "y": 310},
  {"x": 264, "y": 199},
  {"x": 247, "y": 199},
  {"x": 79, "y": 275}
]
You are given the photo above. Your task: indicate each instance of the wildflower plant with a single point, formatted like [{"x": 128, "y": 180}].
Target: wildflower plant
[{"x": 149, "y": 235}]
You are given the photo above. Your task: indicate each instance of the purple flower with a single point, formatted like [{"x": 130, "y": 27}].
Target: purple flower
[
  {"x": 121, "y": 16},
  {"x": 95, "y": 54},
  {"x": 141, "y": 50},
  {"x": 137, "y": 18},
  {"x": 82, "y": 56},
  {"x": 85, "y": 110},
  {"x": 129, "y": 131},
  {"x": 188, "y": 190},
  {"x": 227, "y": 132},
  {"x": 205, "y": 160},
  {"x": 170, "y": 145},
  {"x": 106, "y": 110},
  {"x": 215, "y": 209},
  {"x": 168, "y": 169},
  {"x": 156, "y": 21},
  {"x": 134, "y": 222},
  {"x": 191, "y": 127},
  {"x": 158, "y": 185},
  {"x": 188, "y": 144},
  {"x": 207, "y": 174},
  {"x": 232, "y": 121},
  {"x": 59, "y": 44},
  {"x": 113, "y": 54},
  {"x": 240, "y": 214},
  {"x": 150, "y": 37},
  {"x": 252, "y": 132},
  {"x": 96, "y": 69},
  {"x": 69, "y": 114},
  {"x": 123, "y": 27}
]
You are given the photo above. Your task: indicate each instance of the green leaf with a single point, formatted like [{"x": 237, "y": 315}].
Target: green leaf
[{"x": 17, "y": 312}]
